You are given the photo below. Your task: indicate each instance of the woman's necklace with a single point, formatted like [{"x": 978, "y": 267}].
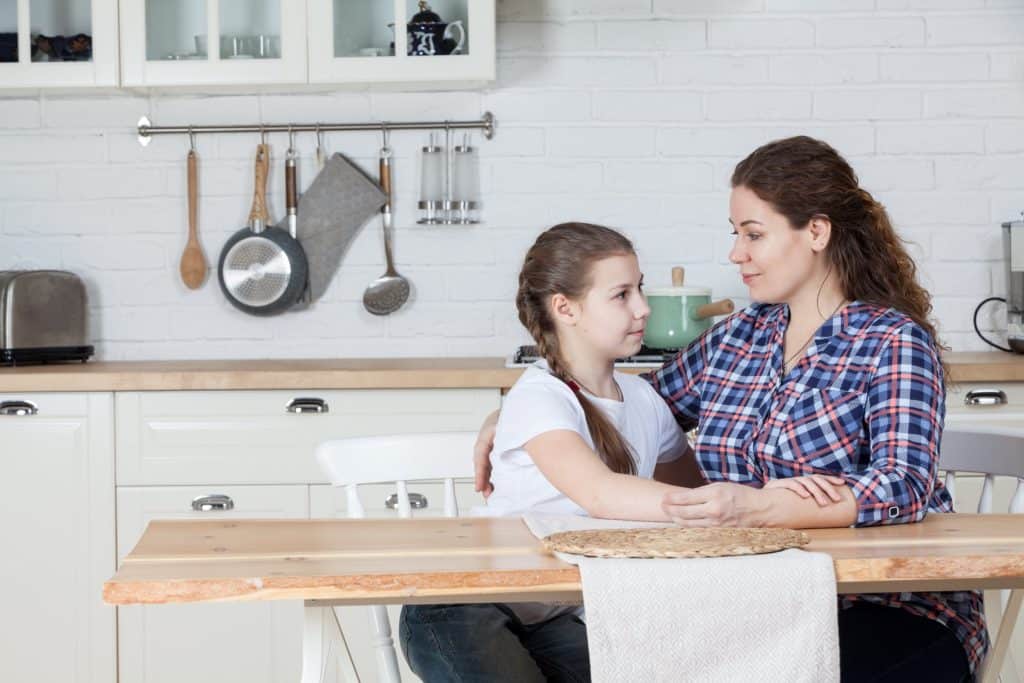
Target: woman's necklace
[
  {"x": 786, "y": 364},
  {"x": 581, "y": 385}
]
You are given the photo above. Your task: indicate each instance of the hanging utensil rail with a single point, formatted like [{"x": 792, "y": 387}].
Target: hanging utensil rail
[{"x": 147, "y": 129}]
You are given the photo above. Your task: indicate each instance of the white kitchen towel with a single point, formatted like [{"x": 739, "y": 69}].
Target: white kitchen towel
[{"x": 765, "y": 617}]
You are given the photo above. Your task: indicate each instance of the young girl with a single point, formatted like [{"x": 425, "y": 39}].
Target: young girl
[{"x": 573, "y": 437}]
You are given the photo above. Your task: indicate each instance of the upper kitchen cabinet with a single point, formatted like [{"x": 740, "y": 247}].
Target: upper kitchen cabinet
[
  {"x": 58, "y": 43},
  {"x": 212, "y": 42},
  {"x": 363, "y": 41}
]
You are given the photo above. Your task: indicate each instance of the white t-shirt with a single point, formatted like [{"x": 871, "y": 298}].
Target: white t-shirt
[{"x": 540, "y": 402}]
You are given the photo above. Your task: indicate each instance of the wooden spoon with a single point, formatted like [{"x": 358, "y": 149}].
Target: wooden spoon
[{"x": 193, "y": 263}]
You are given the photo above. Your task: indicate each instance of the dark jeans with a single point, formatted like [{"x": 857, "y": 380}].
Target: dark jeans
[
  {"x": 487, "y": 643},
  {"x": 887, "y": 644}
]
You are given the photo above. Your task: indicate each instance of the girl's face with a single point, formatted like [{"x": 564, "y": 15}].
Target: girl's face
[
  {"x": 611, "y": 316},
  {"x": 775, "y": 261}
]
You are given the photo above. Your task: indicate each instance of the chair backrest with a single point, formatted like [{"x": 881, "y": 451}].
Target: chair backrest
[
  {"x": 991, "y": 450},
  {"x": 398, "y": 458}
]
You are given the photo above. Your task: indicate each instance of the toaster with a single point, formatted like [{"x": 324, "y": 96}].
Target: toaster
[{"x": 44, "y": 317}]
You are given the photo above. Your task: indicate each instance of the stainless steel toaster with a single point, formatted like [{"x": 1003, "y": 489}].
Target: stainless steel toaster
[{"x": 44, "y": 317}]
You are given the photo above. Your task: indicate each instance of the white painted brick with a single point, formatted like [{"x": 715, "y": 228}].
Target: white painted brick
[
  {"x": 1003, "y": 28},
  {"x": 871, "y": 32},
  {"x": 111, "y": 182},
  {"x": 207, "y": 110},
  {"x": 159, "y": 215},
  {"x": 917, "y": 242},
  {"x": 715, "y": 141},
  {"x": 52, "y": 149},
  {"x": 333, "y": 108},
  {"x": 131, "y": 323},
  {"x": 968, "y": 173},
  {"x": 513, "y": 142},
  {"x": 20, "y": 113},
  {"x": 531, "y": 105},
  {"x": 819, "y": 5},
  {"x": 959, "y": 243},
  {"x": 642, "y": 105},
  {"x": 888, "y": 173},
  {"x": 217, "y": 178},
  {"x": 608, "y": 7},
  {"x": 1006, "y": 66},
  {"x": 665, "y": 176},
  {"x": 955, "y": 313},
  {"x": 445, "y": 245},
  {"x": 484, "y": 347},
  {"x": 1004, "y": 206},
  {"x": 747, "y": 34},
  {"x": 925, "y": 209},
  {"x": 219, "y": 322},
  {"x": 713, "y": 69},
  {"x": 514, "y": 212},
  {"x": 652, "y": 35},
  {"x": 707, "y": 7},
  {"x": 870, "y": 104},
  {"x": 478, "y": 284},
  {"x": 537, "y": 9},
  {"x": 674, "y": 246},
  {"x": 985, "y": 102},
  {"x": 920, "y": 138},
  {"x": 425, "y": 106},
  {"x": 442, "y": 320},
  {"x": 823, "y": 68},
  {"x": 619, "y": 212},
  {"x": 137, "y": 253},
  {"x": 25, "y": 253},
  {"x": 426, "y": 283},
  {"x": 576, "y": 72},
  {"x": 108, "y": 113},
  {"x": 710, "y": 210},
  {"x": 1004, "y": 137},
  {"x": 50, "y": 219},
  {"x": 546, "y": 36},
  {"x": 548, "y": 177},
  {"x": 349, "y": 282},
  {"x": 331, "y": 321},
  {"x": 933, "y": 67},
  {"x": 758, "y": 105},
  {"x": 849, "y": 139},
  {"x": 23, "y": 185},
  {"x": 930, "y": 4},
  {"x": 956, "y": 279},
  {"x": 124, "y": 148}
]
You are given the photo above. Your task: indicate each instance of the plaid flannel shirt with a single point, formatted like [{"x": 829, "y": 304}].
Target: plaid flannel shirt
[{"x": 866, "y": 402}]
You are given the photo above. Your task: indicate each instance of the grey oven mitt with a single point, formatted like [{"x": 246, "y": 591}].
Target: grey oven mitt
[{"x": 340, "y": 200}]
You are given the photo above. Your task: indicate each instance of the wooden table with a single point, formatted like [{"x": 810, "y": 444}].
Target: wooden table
[{"x": 484, "y": 560}]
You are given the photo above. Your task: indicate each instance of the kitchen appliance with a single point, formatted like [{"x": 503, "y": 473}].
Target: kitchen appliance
[
  {"x": 1013, "y": 249},
  {"x": 680, "y": 314},
  {"x": 44, "y": 317}
]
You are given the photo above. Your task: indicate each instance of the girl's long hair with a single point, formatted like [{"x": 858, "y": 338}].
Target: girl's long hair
[
  {"x": 560, "y": 262},
  {"x": 803, "y": 178}
]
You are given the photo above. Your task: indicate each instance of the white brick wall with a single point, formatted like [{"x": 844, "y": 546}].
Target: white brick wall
[{"x": 627, "y": 112}]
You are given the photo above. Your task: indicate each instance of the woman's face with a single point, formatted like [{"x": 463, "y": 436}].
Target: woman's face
[{"x": 775, "y": 261}]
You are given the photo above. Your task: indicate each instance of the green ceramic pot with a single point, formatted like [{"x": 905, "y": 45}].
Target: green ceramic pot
[{"x": 674, "y": 322}]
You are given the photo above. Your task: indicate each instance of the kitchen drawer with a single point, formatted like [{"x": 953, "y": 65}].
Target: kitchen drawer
[
  {"x": 249, "y": 437},
  {"x": 957, "y": 395},
  {"x": 327, "y": 501},
  {"x": 256, "y": 642}
]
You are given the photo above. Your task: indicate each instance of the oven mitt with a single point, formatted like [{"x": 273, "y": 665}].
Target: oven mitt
[{"x": 340, "y": 200}]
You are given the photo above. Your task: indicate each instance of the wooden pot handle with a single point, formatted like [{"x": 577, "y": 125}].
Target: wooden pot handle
[
  {"x": 723, "y": 307},
  {"x": 677, "y": 276}
]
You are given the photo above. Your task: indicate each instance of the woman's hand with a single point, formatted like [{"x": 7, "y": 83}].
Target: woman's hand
[
  {"x": 824, "y": 488},
  {"x": 718, "y": 504},
  {"x": 482, "y": 455}
]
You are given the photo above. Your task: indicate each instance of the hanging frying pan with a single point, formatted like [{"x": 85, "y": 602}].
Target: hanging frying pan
[{"x": 262, "y": 269}]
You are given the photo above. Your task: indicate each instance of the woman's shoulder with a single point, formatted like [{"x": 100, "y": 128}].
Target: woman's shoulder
[{"x": 882, "y": 323}]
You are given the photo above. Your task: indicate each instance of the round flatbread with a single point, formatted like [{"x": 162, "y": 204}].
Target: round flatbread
[{"x": 674, "y": 542}]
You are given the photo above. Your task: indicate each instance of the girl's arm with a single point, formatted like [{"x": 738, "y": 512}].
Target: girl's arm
[{"x": 566, "y": 460}]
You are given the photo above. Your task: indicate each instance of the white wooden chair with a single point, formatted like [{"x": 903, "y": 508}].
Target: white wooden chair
[
  {"x": 992, "y": 450},
  {"x": 349, "y": 463}
]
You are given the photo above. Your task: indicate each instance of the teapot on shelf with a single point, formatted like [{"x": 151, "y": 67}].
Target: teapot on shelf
[{"x": 428, "y": 35}]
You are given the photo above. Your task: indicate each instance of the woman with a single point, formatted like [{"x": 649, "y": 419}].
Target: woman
[{"x": 822, "y": 404}]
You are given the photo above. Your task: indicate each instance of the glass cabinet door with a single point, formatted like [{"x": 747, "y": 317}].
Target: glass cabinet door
[
  {"x": 176, "y": 30},
  {"x": 363, "y": 28},
  {"x": 60, "y": 30},
  {"x": 250, "y": 29},
  {"x": 436, "y": 27}
]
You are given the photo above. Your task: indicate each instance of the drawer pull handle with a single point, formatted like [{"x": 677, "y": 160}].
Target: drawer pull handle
[
  {"x": 417, "y": 501},
  {"x": 307, "y": 405},
  {"x": 213, "y": 503},
  {"x": 985, "y": 397},
  {"x": 18, "y": 408}
]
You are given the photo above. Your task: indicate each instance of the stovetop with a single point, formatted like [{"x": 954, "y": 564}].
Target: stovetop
[{"x": 645, "y": 358}]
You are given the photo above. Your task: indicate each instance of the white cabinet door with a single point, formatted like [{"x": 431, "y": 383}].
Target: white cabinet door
[
  {"x": 327, "y": 502},
  {"x": 26, "y": 61},
  {"x": 57, "y": 526},
  {"x": 244, "y": 642},
  {"x": 360, "y": 41},
  {"x": 212, "y": 42}
]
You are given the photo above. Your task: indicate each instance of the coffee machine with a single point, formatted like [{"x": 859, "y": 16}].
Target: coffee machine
[{"x": 1013, "y": 249}]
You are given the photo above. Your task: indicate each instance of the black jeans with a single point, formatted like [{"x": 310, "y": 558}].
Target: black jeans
[{"x": 887, "y": 644}]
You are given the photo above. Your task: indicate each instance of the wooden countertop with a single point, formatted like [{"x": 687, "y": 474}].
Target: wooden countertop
[
  {"x": 472, "y": 559},
  {"x": 354, "y": 373}
]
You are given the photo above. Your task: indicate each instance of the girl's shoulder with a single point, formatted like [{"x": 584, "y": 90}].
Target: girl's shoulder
[{"x": 537, "y": 381}]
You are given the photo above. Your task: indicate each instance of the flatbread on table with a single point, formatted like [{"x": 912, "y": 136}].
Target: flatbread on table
[{"x": 674, "y": 542}]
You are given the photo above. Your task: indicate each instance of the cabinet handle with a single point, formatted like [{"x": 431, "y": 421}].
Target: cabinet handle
[
  {"x": 417, "y": 501},
  {"x": 18, "y": 408},
  {"x": 985, "y": 397},
  {"x": 307, "y": 405},
  {"x": 213, "y": 503}
]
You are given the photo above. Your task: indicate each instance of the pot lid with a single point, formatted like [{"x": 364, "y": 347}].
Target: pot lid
[
  {"x": 425, "y": 15},
  {"x": 677, "y": 291}
]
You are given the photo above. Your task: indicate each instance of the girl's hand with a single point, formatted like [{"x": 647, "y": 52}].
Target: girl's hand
[
  {"x": 718, "y": 504},
  {"x": 482, "y": 455},
  {"x": 824, "y": 488}
]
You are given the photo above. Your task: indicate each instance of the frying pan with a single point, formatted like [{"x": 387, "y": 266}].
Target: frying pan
[{"x": 262, "y": 269}]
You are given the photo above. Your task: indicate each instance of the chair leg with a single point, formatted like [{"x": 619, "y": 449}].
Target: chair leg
[
  {"x": 387, "y": 660},
  {"x": 993, "y": 663},
  {"x": 321, "y": 633}
]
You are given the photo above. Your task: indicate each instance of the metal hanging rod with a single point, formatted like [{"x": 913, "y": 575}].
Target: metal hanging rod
[{"x": 147, "y": 129}]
